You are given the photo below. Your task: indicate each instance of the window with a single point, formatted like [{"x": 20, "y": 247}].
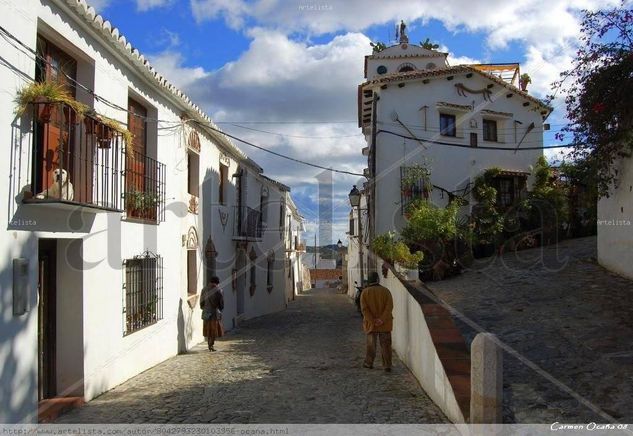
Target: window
[
  {"x": 192, "y": 272},
  {"x": 490, "y": 130},
  {"x": 406, "y": 67},
  {"x": 142, "y": 292},
  {"x": 414, "y": 184},
  {"x": 351, "y": 224},
  {"x": 269, "y": 272},
  {"x": 447, "y": 125},
  {"x": 263, "y": 206},
  {"x": 473, "y": 140},
  {"x": 193, "y": 177},
  {"x": 253, "y": 271},
  {"x": 282, "y": 216},
  {"x": 224, "y": 177},
  {"x": 144, "y": 176},
  {"x": 509, "y": 189}
]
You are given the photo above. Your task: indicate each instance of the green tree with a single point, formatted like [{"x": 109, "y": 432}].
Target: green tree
[
  {"x": 427, "y": 44},
  {"x": 598, "y": 91}
]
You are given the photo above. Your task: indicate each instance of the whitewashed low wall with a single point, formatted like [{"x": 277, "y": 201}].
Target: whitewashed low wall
[{"x": 413, "y": 343}]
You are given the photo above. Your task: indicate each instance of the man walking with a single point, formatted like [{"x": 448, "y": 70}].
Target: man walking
[
  {"x": 212, "y": 305},
  {"x": 376, "y": 305}
]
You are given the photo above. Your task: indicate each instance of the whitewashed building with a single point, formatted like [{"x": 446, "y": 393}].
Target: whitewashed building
[
  {"x": 101, "y": 281},
  {"x": 456, "y": 121},
  {"x": 295, "y": 248},
  {"x": 615, "y": 223}
]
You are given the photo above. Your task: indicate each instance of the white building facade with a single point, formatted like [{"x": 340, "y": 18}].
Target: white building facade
[
  {"x": 295, "y": 248},
  {"x": 101, "y": 281},
  {"x": 417, "y": 111},
  {"x": 615, "y": 218},
  {"x": 456, "y": 121}
]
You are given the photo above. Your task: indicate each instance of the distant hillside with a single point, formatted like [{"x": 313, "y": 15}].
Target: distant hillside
[{"x": 326, "y": 251}]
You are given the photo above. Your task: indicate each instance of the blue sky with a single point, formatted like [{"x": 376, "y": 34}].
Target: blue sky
[{"x": 296, "y": 64}]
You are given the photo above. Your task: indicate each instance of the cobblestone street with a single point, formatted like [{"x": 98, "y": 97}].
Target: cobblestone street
[
  {"x": 563, "y": 312},
  {"x": 302, "y": 365}
]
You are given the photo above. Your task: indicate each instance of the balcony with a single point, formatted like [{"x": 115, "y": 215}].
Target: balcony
[
  {"x": 144, "y": 188},
  {"x": 248, "y": 225},
  {"x": 76, "y": 160}
]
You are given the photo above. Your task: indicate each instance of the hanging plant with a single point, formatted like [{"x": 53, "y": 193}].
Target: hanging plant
[
  {"x": 111, "y": 125},
  {"x": 45, "y": 94}
]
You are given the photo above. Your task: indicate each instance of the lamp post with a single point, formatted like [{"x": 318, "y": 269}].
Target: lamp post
[
  {"x": 354, "y": 200},
  {"x": 339, "y": 257}
]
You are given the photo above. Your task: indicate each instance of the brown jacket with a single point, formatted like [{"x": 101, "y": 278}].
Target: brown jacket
[{"x": 376, "y": 303}]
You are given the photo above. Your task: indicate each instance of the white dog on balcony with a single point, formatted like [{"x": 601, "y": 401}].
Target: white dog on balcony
[{"x": 64, "y": 191}]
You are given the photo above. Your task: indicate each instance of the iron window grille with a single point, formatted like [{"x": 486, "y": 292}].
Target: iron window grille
[
  {"x": 142, "y": 292},
  {"x": 418, "y": 189},
  {"x": 144, "y": 187}
]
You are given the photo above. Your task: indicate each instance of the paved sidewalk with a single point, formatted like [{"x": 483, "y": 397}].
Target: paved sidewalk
[
  {"x": 302, "y": 365},
  {"x": 566, "y": 314}
]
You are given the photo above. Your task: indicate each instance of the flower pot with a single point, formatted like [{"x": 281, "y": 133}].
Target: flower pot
[
  {"x": 104, "y": 136},
  {"x": 44, "y": 109},
  {"x": 411, "y": 274}
]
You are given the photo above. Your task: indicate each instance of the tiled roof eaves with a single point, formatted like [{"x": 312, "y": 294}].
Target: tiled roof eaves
[
  {"x": 279, "y": 185},
  {"x": 413, "y": 55},
  {"x": 120, "y": 43},
  {"x": 414, "y": 75}
]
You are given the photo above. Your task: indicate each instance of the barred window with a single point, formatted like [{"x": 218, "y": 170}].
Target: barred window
[
  {"x": 414, "y": 184},
  {"x": 142, "y": 292}
]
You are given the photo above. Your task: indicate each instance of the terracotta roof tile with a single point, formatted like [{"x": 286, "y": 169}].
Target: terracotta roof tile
[{"x": 325, "y": 274}]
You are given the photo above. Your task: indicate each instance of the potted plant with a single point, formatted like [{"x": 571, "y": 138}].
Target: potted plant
[
  {"x": 524, "y": 81},
  {"x": 45, "y": 94},
  {"x": 396, "y": 253},
  {"x": 112, "y": 127}
]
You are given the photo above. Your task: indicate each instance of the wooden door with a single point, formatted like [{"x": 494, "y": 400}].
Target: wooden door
[
  {"x": 55, "y": 132},
  {"x": 47, "y": 320},
  {"x": 135, "y": 165}
]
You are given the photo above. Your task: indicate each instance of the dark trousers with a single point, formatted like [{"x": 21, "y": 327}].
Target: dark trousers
[{"x": 385, "y": 348}]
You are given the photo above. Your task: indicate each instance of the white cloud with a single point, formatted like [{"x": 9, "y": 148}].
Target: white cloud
[
  {"x": 146, "y": 5},
  {"x": 169, "y": 64},
  {"x": 99, "y": 5},
  {"x": 531, "y": 20},
  {"x": 278, "y": 79}
]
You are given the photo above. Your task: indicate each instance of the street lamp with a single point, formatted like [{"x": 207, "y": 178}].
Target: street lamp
[
  {"x": 354, "y": 200},
  {"x": 339, "y": 244},
  {"x": 354, "y": 197}
]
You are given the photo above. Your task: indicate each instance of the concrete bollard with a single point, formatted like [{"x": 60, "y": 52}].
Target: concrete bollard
[{"x": 486, "y": 380}]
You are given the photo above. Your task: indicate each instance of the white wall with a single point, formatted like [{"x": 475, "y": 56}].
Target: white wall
[
  {"x": 412, "y": 341},
  {"x": 615, "y": 224}
]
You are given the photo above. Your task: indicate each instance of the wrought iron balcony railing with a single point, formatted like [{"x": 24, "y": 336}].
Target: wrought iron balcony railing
[
  {"x": 76, "y": 160},
  {"x": 248, "y": 226},
  {"x": 144, "y": 188}
]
